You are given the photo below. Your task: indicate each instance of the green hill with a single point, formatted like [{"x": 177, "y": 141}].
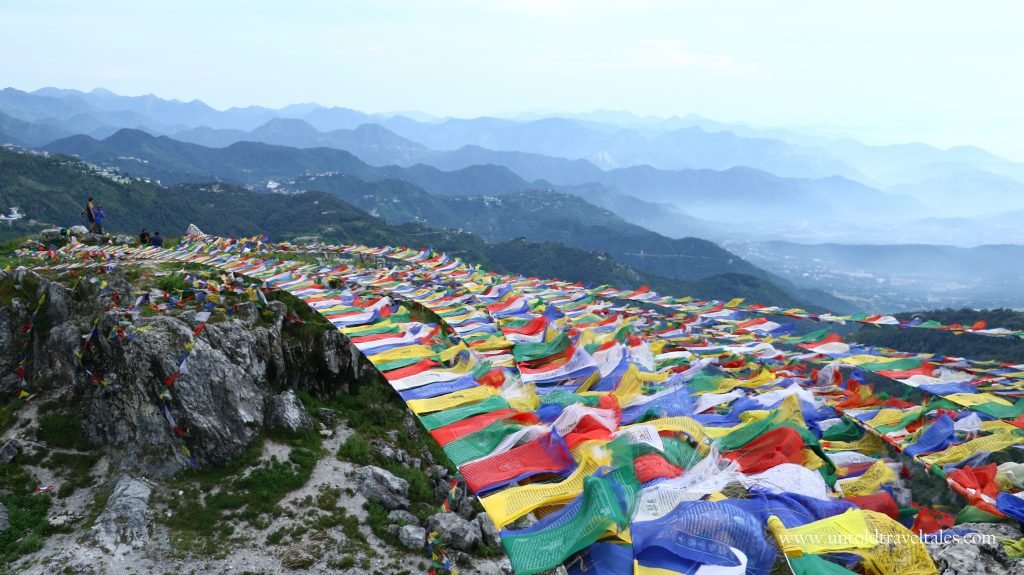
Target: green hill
[
  {"x": 53, "y": 190},
  {"x": 947, "y": 343},
  {"x": 512, "y": 212}
]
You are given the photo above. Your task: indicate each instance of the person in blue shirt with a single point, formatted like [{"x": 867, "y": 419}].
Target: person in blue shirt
[
  {"x": 156, "y": 241},
  {"x": 99, "y": 215}
]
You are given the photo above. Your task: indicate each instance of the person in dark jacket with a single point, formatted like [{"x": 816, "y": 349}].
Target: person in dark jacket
[
  {"x": 156, "y": 241},
  {"x": 144, "y": 238},
  {"x": 90, "y": 212}
]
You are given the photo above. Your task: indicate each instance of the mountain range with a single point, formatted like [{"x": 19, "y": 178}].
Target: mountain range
[
  {"x": 639, "y": 189},
  {"x": 724, "y": 194},
  {"x": 683, "y": 161},
  {"x": 53, "y": 189},
  {"x": 612, "y": 139}
]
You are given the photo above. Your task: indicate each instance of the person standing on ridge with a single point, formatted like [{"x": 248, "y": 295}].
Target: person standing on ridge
[
  {"x": 90, "y": 212},
  {"x": 144, "y": 238},
  {"x": 99, "y": 215},
  {"x": 156, "y": 240}
]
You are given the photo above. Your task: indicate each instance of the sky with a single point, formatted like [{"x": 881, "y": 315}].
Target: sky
[{"x": 884, "y": 71}]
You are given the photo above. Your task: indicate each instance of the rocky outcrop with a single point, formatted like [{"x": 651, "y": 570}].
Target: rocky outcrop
[
  {"x": 216, "y": 403},
  {"x": 287, "y": 413},
  {"x": 382, "y": 486},
  {"x": 126, "y": 519},
  {"x": 975, "y": 549},
  {"x": 412, "y": 536},
  {"x": 209, "y": 413},
  {"x": 9, "y": 451},
  {"x": 239, "y": 377},
  {"x": 403, "y": 517},
  {"x": 455, "y": 531},
  {"x": 5, "y": 522},
  {"x": 488, "y": 531}
]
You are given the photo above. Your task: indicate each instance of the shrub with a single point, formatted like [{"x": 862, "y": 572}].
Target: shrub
[{"x": 63, "y": 430}]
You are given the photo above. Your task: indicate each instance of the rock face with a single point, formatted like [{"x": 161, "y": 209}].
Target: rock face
[
  {"x": 382, "y": 486},
  {"x": 49, "y": 235},
  {"x": 9, "y": 451},
  {"x": 975, "y": 549},
  {"x": 218, "y": 400},
  {"x": 4, "y": 521},
  {"x": 216, "y": 406},
  {"x": 488, "y": 531},
  {"x": 287, "y": 413},
  {"x": 455, "y": 531},
  {"x": 126, "y": 518},
  {"x": 412, "y": 537},
  {"x": 400, "y": 516}
]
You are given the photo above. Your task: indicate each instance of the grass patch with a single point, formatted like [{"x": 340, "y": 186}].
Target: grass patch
[
  {"x": 26, "y": 512},
  {"x": 357, "y": 450},
  {"x": 74, "y": 468},
  {"x": 9, "y": 413},
  {"x": 420, "y": 489},
  {"x": 276, "y": 537},
  {"x": 377, "y": 520},
  {"x": 346, "y": 562},
  {"x": 203, "y": 524},
  {"x": 63, "y": 430},
  {"x": 172, "y": 283}
]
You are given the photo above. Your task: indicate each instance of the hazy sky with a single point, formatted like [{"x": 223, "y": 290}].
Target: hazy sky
[{"x": 946, "y": 72}]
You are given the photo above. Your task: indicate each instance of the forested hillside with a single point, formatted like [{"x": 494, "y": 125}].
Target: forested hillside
[
  {"x": 947, "y": 343},
  {"x": 54, "y": 190}
]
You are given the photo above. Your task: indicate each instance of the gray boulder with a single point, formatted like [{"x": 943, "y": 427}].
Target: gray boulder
[
  {"x": 412, "y": 537},
  {"x": 9, "y": 451},
  {"x": 382, "y": 486},
  {"x": 328, "y": 416},
  {"x": 403, "y": 517},
  {"x": 488, "y": 531},
  {"x": 59, "y": 304},
  {"x": 455, "y": 531},
  {"x": 218, "y": 397},
  {"x": 126, "y": 518},
  {"x": 961, "y": 552},
  {"x": 287, "y": 413},
  {"x": 500, "y": 566},
  {"x": 49, "y": 235},
  {"x": 4, "y": 521},
  {"x": 78, "y": 231}
]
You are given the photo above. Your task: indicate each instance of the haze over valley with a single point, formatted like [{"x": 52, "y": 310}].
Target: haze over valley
[
  {"x": 803, "y": 208},
  {"x": 515, "y": 287}
]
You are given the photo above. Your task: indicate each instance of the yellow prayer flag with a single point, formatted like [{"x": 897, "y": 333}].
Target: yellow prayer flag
[
  {"x": 839, "y": 533},
  {"x": 407, "y": 352},
  {"x": 510, "y": 504},
  {"x": 990, "y": 443},
  {"x": 871, "y": 481},
  {"x": 451, "y": 400}
]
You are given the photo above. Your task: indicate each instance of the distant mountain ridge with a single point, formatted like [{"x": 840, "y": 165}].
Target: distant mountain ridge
[
  {"x": 704, "y": 192},
  {"x": 53, "y": 189},
  {"x": 100, "y": 113},
  {"x": 141, "y": 154},
  {"x": 638, "y": 156},
  {"x": 372, "y": 143}
]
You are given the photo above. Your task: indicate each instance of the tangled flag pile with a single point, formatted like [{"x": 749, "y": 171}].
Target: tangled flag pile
[{"x": 624, "y": 432}]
